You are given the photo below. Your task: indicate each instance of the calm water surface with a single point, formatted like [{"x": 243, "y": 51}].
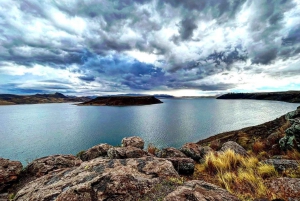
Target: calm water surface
[{"x": 32, "y": 131}]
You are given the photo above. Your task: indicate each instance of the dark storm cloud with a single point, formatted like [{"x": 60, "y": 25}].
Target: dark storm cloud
[
  {"x": 187, "y": 27},
  {"x": 87, "y": 78}
]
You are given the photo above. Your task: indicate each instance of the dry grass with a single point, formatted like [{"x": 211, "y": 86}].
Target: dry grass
[
  {"x": 293, "y": 173},
  {"x": 263, "y": 155},
  {"x": 258, "y": 146},
  {"x": 293, "y": 154},
  {"x": 242, "y": 176}
]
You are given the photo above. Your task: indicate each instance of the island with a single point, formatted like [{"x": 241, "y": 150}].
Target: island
[
  {"x": 122, "y": 101},
  {"x": 11, "y": 99},
  {"x": 286, "y": 96}
]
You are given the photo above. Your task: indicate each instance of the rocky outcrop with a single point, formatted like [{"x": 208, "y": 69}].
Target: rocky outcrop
[
  {"x": 192, "y": 150},
  {"x": 183, "y": 165},
  {"x": 282, "y": 164},
  {"x": 9, "y": 172},
  {"x": 293, "y": 114},
  {"x": 238, "y": 149},
  {"x": 199, "y": 190},
  {"x": 195, "y": 151},
  {"x": 122, "y": 101},
  {"x": 95, "y": 152},
  {"x": 133, "y": 142},
  {"x": 170, "y": 152},
  {"x": 126, "y": 152},
  {"x": 100, "y": 179},
  {"x": 285, "y": 188},
  {"x": 43, "y": 166},
  {"x": 292, "y": 138}
]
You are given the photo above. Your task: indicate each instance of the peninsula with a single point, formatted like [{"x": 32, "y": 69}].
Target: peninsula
[
  {"x": 286, "y": 96},
  {"x": 122, "y": 101},
  {"x": 11, "y": 99}
]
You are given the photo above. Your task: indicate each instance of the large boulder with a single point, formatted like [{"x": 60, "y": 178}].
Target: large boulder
[
  {"x": 100, "y": 179},
  {"x": 43, "y": 166},
  {"x": 238, "y": 149},
  {"x": 126, "y": 152},
  {"x": 285, "y": 188},
  {"x": 170, "y": 152},
  {"x": 282, "y": 164},
  {"x": 292, "y": 138},
  {"x": 9, "y": 172},
  {"x": 183, "y": 165},
  {"x": 192, "y": 150},
  {"x": 95, "y": 152},
  {"x": 199, "y": 190},
  {"x": 133, "y": 142},
  {"x": 273, "y": 139}
]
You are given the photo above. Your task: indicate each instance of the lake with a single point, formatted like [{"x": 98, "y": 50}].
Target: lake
[{"x": 28, "y": 132}]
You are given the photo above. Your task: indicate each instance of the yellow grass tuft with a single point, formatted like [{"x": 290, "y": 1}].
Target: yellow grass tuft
[
  {"x": 266, "y": 170},
  {"x": 240, "y": 175}
]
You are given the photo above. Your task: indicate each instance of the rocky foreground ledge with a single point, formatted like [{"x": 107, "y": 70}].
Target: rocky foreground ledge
[{"x": 129, "y": 172}]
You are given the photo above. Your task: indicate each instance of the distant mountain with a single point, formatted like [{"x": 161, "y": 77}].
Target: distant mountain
[
  {"x": 122, "y": 101},
  {"x": 286, "y": 96},
  {"x": 11, "y": 99}
]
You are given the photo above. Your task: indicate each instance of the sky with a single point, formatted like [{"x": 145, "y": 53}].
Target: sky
[{"x": 176, "y": 47}]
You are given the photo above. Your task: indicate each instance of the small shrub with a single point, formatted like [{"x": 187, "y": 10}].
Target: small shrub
[
  {"x": 258, "y": 146},
  {"x": 11, "y": 196},
  {"x": 176, "y": 180},
  {"x": 79, "y": 154},
  {"x": 152, "y": 149}
]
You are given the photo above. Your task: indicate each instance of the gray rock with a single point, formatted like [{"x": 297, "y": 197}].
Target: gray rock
[
  {"x": 170, "y": 152},
  {"x": 192, "y": 150},
  {"x": 100, "y": 179},
  {"x": 235, "y": 147},
  {"x": 205, "y": 150},
  {"x": 9, "y": 172},
  {"x": 282, "y": 164},
  {"x": 126, "y": 152},
  {"x": 200, "y": 191},
  {"x": 133, "y": 142},
  {"x": 285, "y": 188},
  {"x": 272, "y": 139},
  {"x": 183, "y": 165},
  {"x": 43, "y": 166},
  {"x": 95, "y": 152}
]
